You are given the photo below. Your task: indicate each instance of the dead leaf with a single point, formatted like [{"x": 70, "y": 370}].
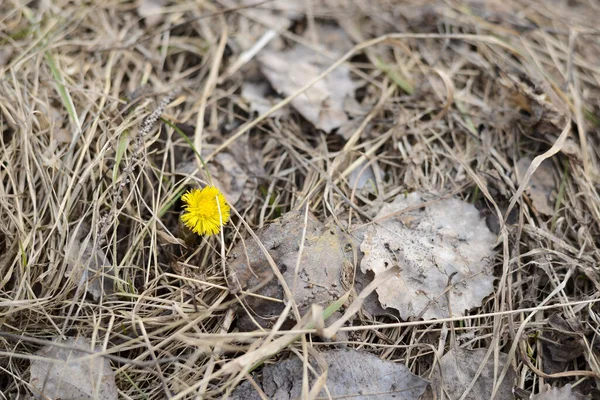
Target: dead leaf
[
  {"x": 63, "y": 136},
  {"x": 151, "y": 12},
  {"x": 350, "y": 374},
  {"x": 558, "y": 393},
  {"x": 323, "y": 272},
  {"x": 459, "y": 367},
  {"x": 371, "y": 307},
  {"x": 289, "y": 70},
  {"x": 444, "y": 251},
  {"x": 234, "y": 172},
  {"x": 61, "y": 375},
  {"x": 363, "y": 177},
  {"x": 5, "y": 55},
  {"x": 258, "y": 96},
  {"x": 541, "y": 185},
  {"x": 90, "y": 264},
  {"x": 562, "y": 344},
  {"x": 278, "y": 15}
]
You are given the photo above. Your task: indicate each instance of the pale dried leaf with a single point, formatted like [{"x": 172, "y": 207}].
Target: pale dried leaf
[
  {"x": 287, "y": 71},
  {"x": 89, "y": 263},
  {"x": 347, "y": 129},
  {"x": 558, "y": 393},
  {"x": 277, "y": 14},
  {"x": 257, "y": 95},
  {"x": 322, "y": 274},
  {"x": 61, "y": 375},
  {"x": 151, "y": 11},
  {"x": 445, "y": 243},
  {"x": 63, "y": 136},
  {"x": 351, "y": 374},
  {"x": 362, "y": 177},
  {"x": 458, "y": 369},
  {"x": 541, "y": 184}
]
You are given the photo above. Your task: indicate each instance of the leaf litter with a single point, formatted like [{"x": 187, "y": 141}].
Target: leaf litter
[
  {"x": 541, "y": 186},
  {"x": 260, "y": 98},
  {"x": 444, "y": 250},
  {"x": 235, "y": 172},
  {"x": 290, "y": 69},
  {"x": 151, "y": 12},
  {"x": 88, "y": 264},
  {"x": 559, "y": 393},
  {"x": 562, "y": 343},
  {"x": 68, "y": 373},
  {"x": 324, "y": 269},
  {"x": 459, "y": 367},
  {"x": 513, "y": 76},
  {"x": 350, "y": 374}
]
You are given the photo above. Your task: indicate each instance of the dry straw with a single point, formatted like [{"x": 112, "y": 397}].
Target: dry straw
[{"x": 449, "y": 106}]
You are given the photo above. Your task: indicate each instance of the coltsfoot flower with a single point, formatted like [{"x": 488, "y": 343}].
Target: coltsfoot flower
[{"x": 202, "y": 208}]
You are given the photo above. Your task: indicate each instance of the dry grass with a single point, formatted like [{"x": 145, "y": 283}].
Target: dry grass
[{"x": 451, "y": 105}]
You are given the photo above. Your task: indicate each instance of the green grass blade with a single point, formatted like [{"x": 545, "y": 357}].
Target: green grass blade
[
  {"x": 63, "y": 93},
  {"x": 121, "y": 147},
  {"x": 189, "y": 142},
  {"x": 394, "y": 75}
]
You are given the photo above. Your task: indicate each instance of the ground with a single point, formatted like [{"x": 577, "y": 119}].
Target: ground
[{"x": 111, "y": 110}]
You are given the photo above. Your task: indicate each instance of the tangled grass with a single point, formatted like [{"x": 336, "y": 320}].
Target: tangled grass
[{"x": 100, "y": 109}]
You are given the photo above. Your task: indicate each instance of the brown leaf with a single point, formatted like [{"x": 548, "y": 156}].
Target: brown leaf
[
  {"x": 350, "y": 374},
  {"x": 541, "y": 185},
  {"x": 322, "y": 275},
  {"x": 562, "y": 344}
]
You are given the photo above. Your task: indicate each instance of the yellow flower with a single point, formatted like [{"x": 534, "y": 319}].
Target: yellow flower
[{"x": 202, "y": 210}]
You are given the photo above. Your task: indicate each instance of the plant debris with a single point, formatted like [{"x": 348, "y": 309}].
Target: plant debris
[
  {"x": 349, "y": 373},
  {"x": 87, "y": 264},
  {"x": 541, "y": 185},
  {"x": 67, "y": 372},
  {"x": 235, "y": 172},
  {"x": 324, "y": 269},
  {"x": 460, "y": 366},
  {"x": 446, "y": 99},
  {"x": 558, "y": 393},
  {"x": 443, "y": 248},
  {"x": 290, "y": 69},
  {"x": 151, "y": 11},
  {"x": 258, "y": 96}
]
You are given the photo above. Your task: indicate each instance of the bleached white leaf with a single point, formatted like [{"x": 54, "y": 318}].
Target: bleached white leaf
[
  {"x": 62, "y": 374},
  {"x": 558, "y": 393},
  {"x": 350, "y": 374},
  {"x": 443, "y": 244},
  {"x": 459, "y": 367}
]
